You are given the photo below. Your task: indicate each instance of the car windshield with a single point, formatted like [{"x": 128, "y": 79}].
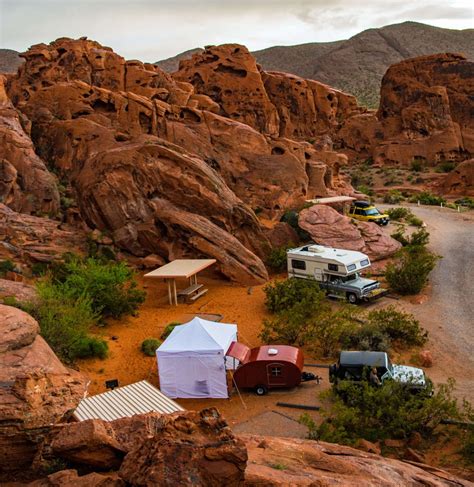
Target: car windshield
[
  {"x": 352, "y": 277},
  {"x": 372, "y": 211}
]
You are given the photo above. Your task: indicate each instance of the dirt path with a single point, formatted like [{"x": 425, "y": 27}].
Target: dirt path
[{"x": 448, "y": 313}]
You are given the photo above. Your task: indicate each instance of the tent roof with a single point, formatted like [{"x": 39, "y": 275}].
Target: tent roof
[
  {"x": 181, "y": 268},
  {"x": 199, "y": 335}
]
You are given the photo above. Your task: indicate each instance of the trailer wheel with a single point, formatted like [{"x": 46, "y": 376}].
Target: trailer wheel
[
  {"x": 261, "y": 390},
  {"x": 352, "y": 298}
]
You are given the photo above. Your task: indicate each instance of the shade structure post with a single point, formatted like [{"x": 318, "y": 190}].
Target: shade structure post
[
  {"x": 168, "y": 282},
  {"x": 175, "y": 293}
]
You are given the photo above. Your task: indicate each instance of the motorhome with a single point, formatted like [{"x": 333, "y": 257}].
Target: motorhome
[{"x": 338, "y": 271}]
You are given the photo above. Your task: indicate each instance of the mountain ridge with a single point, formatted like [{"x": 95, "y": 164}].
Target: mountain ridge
[{"x": 356, "y": 65}]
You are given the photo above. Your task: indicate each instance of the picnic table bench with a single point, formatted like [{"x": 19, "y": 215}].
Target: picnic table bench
[{"x": 193, "y": 292}]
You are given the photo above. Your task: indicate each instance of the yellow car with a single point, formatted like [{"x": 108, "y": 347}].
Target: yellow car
[{"x": 364, "y": 211}]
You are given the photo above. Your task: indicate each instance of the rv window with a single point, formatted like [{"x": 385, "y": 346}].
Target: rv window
[
  {"x": 333, "y": 267},
  {"x": 275, "y": 371},
  {"x": 351, "y": 267},
  {"x": 364, "y": 262},
  {"x": 298, "y": 264}
]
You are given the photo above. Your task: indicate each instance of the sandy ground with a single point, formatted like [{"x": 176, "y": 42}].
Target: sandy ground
[{"x": 445, "y": 310}]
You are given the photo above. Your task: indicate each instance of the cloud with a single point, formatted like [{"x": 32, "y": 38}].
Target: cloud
[{"x": 156, "y": 29}]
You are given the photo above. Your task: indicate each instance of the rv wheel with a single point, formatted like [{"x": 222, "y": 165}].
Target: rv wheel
[
  {"x": 352, "y": 298},
  {"x": 261, "y": 390}
]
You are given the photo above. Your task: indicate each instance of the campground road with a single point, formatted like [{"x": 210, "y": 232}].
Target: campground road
[{"x": 448, "y": 314}]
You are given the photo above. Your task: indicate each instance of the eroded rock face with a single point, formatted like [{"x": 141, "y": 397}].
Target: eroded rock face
[
  {"x": 425, "y": 113},
  {"x": 38, "y": 390},
  {"x": 25, "y": 183},
  {"x": 36, "y": 239},
  {"x": 328, "y": 227},
  {"x": 460, "y": 181},
  {"x": 309, "y": 463},
  {"x": 186, "y": 448}
]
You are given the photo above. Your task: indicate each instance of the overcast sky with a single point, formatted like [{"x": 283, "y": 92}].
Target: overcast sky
[{"x": 151, "y": 30}]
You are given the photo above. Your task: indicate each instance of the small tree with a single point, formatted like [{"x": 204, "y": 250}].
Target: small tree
[
  {"x": 283, "y": 295},
  {"x": 149, "y": 346}
]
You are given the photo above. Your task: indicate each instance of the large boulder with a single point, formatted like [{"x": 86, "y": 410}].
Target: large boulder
[
  {"x": 460, "y": 181},
  {"x": 37, "y": 391},
  {"x": 328, "y": 227},
  {"x": 24, "y": 293},
  {"x": 185, "y": 448},
  {"x": 70, "y": 478}
]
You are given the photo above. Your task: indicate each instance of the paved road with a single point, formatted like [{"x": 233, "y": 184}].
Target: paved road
[{"x": 448, "y": 314}]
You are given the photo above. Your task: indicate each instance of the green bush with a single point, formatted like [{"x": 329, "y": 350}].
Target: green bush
[
  {"x": 398, "y": 213},
  {"x": 417, "y": 239},
  {"x": 445, "y": 166},
  {"x": 418, "y": 165},
  {"x": 467, "y": 450},
  {"x": 393, "y": 197},
  {"x": 65, "y": 321},
  {"x": 87, "y": 347},
  {"x": 111, "y": 286},
  {"x": 390, "y": 411},
  {"x": 149, "y": 346},
  {"x": 466, "y": 201},
  {"x": 427, "y": 198},
  {"x": 169, "y": 328},
  {"x": 277, "y": 260},
  {"x": 6, "y": 266},
  {"x": 409, "y": 274},
  {"x": 414, "y": 220},
  {"x": 398, "y": 326},
  {"x": 283, "y": 295}
]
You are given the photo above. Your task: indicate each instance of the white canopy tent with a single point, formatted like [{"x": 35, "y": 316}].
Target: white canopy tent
[{"x": 192, "y": 362}]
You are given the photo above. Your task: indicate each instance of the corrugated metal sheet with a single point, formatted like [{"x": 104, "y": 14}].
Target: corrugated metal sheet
[{"x": 125, "y": 401}]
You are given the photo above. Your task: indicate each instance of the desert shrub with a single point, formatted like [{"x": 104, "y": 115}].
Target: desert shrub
[
  {"x": 89, "y": 346},
  {"x": 367, "y": 337},
  {"x": 416, "y": 240},
  {"x": 409, "y": 273},
  {"x": 65, "y": 321},
  {"x": 390, "y": 411},
  {"x": 398, "y": 325},
  {"x": 111, "y": 286},
  {"x": 149, "y": 346},
  {"x": 414, "y": 220},
  {"x": 291, "y": 217},
  {"x": 393, "y": 197},
  {"x": 445, "y": 166},
  {"x": 427, "y": 198},
  {"x": 277, "y": 260},
  {"x": 467, "y": 450},
  {"x": 168, "y": 329},
  {"x": 6, "y": 266},
  {"x": 283, "y": 295},
  {"x": 398, "y": 213},
  {"x": 469, "y": 202},
  {"x": 39, "y": 269},
  {"x": 418, "y": 165},
  {"x": 363, "y": 188}
]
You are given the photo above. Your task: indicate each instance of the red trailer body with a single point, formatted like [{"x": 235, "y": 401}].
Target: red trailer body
[{"x": 267, "y": 367}]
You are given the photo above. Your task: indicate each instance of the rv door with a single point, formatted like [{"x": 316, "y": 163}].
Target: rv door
[{"x": 318, "y": 274}]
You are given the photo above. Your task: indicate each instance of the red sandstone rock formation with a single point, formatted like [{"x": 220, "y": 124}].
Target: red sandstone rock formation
[
  {"x": 328, "y": 227},
  {"x": 460, "y": 181},
  {"x": 37, "y": 390},
  {"x": 25, "y": 183},
  {"x": 310, "y": 463},
  {"x": 425, "y": 113}
]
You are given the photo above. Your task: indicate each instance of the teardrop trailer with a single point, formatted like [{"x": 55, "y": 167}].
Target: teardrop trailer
[
  {"x": 268, "y": 367},
  {"x": 336, "y": 270}
]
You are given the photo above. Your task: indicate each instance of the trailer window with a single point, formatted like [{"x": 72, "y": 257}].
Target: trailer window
[
  {"x": 333, "y": 267},
  {"x": 364, "y": 262},
  {"x": 298, "y": 264},
  {"x": 275, "y": 371},
  {"x": 351, "y": 267}
]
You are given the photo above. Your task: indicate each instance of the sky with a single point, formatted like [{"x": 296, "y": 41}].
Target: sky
[{"x": 151, "y": 30}]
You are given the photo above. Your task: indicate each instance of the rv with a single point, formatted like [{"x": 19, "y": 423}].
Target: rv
[{"x": 336, "y": 270}]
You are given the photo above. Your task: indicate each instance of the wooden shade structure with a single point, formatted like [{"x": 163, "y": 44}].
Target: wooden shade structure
[{"x": 180, "y": 268}]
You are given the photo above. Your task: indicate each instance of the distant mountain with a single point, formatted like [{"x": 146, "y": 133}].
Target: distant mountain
[
  {"x": 171, "y": 64},
  {"x": 358, "y": 64},
  {"x": 9, "y": 60}
]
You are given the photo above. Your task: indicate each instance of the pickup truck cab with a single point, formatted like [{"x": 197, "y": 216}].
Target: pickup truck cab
[
  {"x": 364, "y": 211},
  {"x": 356, "y": 365}
]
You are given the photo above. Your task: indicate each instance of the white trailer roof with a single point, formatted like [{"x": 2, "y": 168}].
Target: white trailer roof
[
  {"x": 341, "y": 256},
  {"x": 122, "y": 402}
]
